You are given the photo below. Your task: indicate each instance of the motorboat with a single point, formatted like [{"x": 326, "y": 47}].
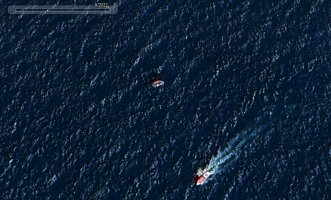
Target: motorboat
[{"x": 201, "y": 177}]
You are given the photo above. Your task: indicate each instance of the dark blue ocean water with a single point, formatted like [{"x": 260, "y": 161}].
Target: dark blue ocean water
[{"x": 79, "y": 119}]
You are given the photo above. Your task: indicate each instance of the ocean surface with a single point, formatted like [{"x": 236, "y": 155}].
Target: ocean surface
[{"x": 247, "y": 90}]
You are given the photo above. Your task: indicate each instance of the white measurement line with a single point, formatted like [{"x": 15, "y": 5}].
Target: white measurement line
[{"x": 62, "y": 9}]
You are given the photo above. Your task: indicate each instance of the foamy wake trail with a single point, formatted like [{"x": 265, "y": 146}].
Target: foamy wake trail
[{"x": 232, "y": 152}]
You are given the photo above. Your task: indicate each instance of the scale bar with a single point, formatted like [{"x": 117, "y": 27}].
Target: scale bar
[{"x": 63, "y": 9}]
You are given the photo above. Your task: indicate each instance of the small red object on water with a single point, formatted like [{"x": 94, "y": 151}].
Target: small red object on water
[{"x": 157, "y": 83}]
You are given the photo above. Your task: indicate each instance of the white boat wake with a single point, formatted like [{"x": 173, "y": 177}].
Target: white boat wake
[{"x": 231, "y": 153}]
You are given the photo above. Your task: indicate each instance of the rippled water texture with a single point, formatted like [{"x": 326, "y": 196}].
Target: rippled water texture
[{"x": 79, "y": 119}]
